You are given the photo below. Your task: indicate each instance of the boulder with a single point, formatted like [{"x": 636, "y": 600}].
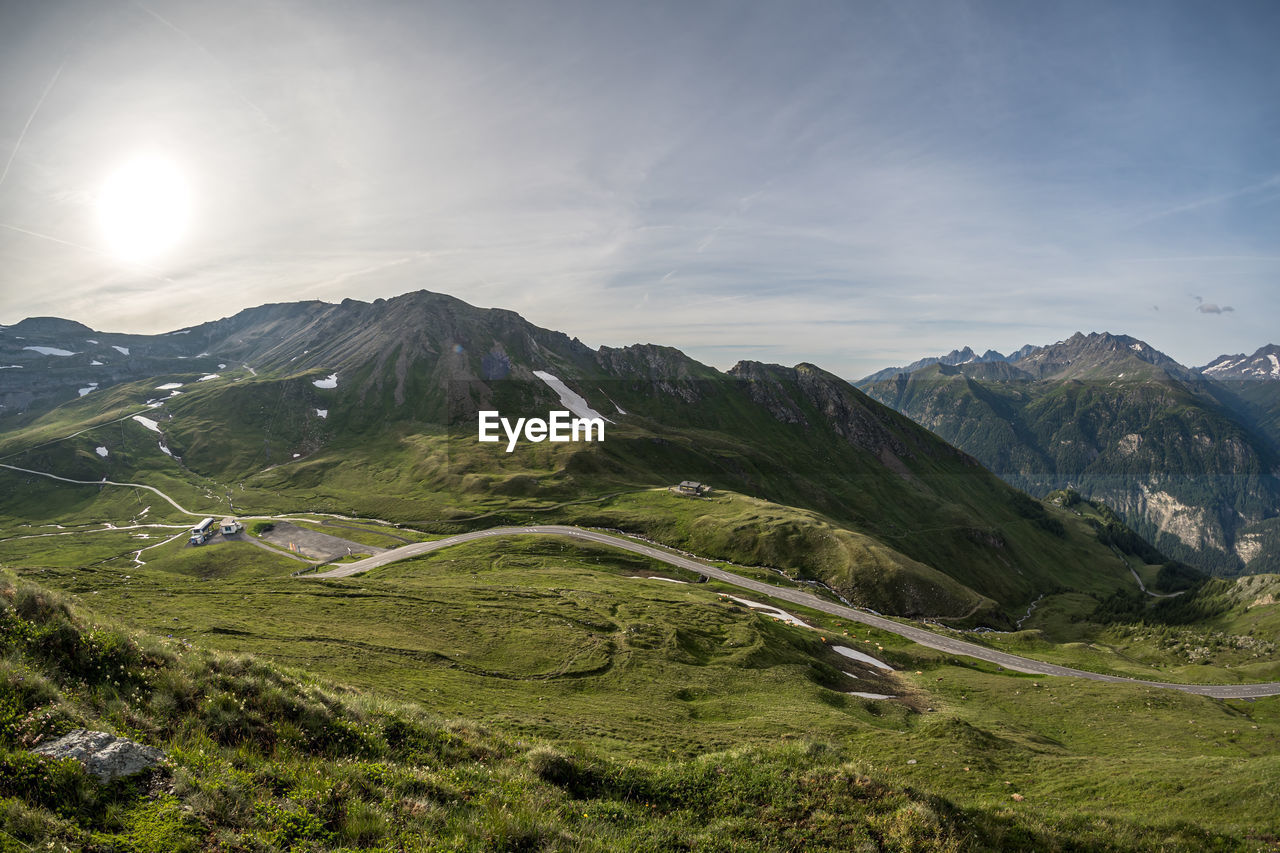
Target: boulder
[{"x": 104, "y": 755}]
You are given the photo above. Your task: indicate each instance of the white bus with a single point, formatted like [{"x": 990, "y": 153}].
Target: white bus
[{"x": 203, "y": 531}]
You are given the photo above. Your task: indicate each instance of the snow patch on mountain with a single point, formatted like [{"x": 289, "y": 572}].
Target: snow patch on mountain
[
  {"x": 61, "y": 353},
  {"x": 330, "y": 381},
  {"x": 770, "y": 610},
  {"x": 865, "y": 658},
  {"x": 570, "y": 399}
]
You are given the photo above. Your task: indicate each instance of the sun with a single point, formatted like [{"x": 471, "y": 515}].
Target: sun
[{"x": 143, "y": 208}]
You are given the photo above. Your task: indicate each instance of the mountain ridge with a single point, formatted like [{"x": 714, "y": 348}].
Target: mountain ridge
[
  {"x": 370, "y": 408},
  {"x": 1189, "y": 459}
]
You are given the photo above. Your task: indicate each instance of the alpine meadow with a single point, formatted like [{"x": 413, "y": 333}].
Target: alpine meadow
[{"x": 490, "y": 426}]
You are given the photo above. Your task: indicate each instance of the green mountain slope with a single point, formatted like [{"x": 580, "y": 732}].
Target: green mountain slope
[
  {"x": 264, "y": 758},
  {"x": 371, "y": 410}
]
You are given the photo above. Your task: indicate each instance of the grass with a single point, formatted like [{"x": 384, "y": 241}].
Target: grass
[
  {"x": 610, "y": 711},
  {"x": 540, "y": 635},
  {"x": 1222, "y": 632},
  {"x": 919, "y": 531},
  {"x": 264, "y": 758},
  {"x": 548, "y": 642}
]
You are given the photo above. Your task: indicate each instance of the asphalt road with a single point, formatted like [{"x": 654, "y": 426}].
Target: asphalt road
[
  {"x": 105, "y": 482},
  {"x": 922, "y": 636}
]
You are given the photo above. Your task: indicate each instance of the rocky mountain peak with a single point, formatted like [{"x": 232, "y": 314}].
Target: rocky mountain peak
[{"x": 1263, "y": 364}]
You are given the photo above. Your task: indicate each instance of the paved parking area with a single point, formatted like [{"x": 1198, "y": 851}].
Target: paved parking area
[{"x": 314, "y": 544}]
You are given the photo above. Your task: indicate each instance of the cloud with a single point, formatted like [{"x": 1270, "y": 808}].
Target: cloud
[{"x": 629, "y": 174}]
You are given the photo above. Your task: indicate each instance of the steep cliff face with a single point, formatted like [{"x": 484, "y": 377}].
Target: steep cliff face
[{"x": 1121, "y": 422}]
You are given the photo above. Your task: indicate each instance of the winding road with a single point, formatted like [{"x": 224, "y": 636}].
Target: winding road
[
  {"x": 950, "y": 645},
  {"x": 105, "y": 482}
]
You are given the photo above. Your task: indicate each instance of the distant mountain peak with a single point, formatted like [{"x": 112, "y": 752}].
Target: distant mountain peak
[
  {"x": 1083, "y": 355},
  {"x": 955, "y": 357},
  {"x": 1099, "y": 355},
  {"x": 1263, "y": 364},
  {"x": 49, "y": 326}
]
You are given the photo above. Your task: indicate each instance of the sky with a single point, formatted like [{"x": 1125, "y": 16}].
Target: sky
[{"x": 854, "y": 184}]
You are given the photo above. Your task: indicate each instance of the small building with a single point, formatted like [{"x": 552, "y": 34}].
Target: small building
[
  {"x": 230, "y": 527},
  {"x": 692, "y": 488},
  {"x": 202, "y": 532}
]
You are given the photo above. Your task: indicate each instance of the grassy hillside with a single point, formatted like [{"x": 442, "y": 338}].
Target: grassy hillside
[
  {"x": 577, "y": 648},
  {"x": 261, "y": 758},
  {"x": 931, "y": 535},
  {"x": 823, "y": 481}
]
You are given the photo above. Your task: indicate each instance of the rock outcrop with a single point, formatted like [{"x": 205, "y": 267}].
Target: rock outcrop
[{"x": 104, "y": 755}]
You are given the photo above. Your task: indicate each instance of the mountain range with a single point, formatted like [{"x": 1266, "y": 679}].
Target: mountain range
[
  {"x": 1188, "y": 457},
  {"x": 603, "y": 693},
  {"x": 370, "y": 409}
]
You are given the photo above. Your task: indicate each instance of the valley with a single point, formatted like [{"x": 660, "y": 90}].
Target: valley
[
  {"x": 960, "y": 638},
  {"x": 435, "y": 427}
]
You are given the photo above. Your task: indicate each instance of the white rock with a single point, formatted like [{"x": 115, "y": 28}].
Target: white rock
[{"x": 104, "y": 755}]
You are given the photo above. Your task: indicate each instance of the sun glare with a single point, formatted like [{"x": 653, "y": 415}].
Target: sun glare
[{"x": 143, "y": 208}]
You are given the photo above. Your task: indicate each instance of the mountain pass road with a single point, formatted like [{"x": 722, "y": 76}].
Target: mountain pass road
[{"x": 924, "y": 637}]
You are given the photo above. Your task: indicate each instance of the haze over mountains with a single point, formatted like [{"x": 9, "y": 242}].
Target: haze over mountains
[{"x": 1187, "y": 456}]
